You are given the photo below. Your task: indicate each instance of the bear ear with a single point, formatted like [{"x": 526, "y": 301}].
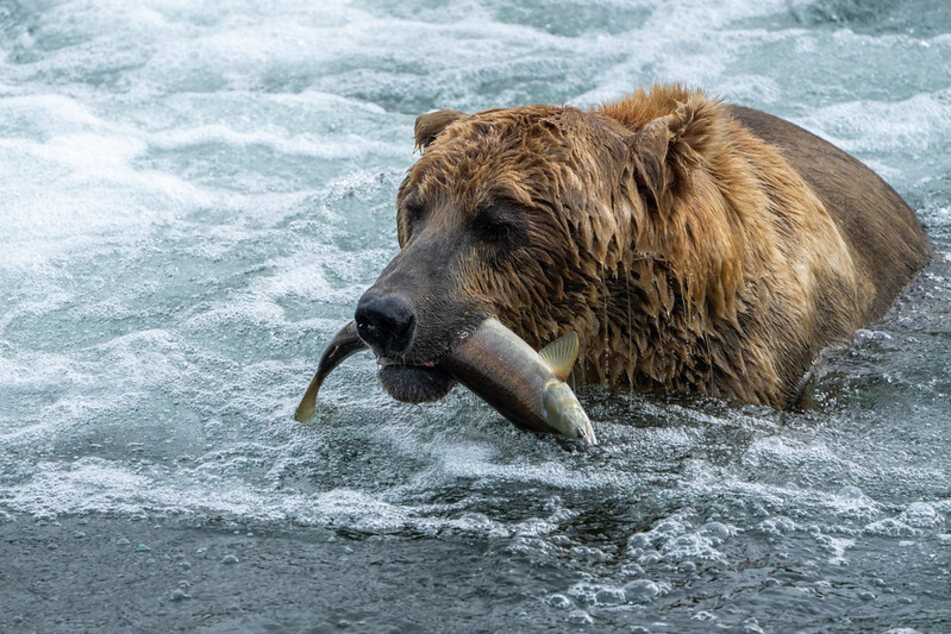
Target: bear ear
[
  {"x": 651, "y": 145},
  {"x": 667, "y": 147},
  {"x": 431, "y": 124}
]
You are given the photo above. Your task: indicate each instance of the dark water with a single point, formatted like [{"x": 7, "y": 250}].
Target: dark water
[{"x": 194, "y": 195}]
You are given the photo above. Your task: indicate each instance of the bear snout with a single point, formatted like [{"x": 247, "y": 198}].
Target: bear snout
[{"x": 385, "y": 323}]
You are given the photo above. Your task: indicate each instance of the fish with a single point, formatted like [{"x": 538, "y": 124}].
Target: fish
[
  {"x": 344, "y": 344},
  {"x": 527, "y": 387}
]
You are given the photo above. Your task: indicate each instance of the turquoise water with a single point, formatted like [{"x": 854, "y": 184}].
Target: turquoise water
[{"x": 195, "y": 194}]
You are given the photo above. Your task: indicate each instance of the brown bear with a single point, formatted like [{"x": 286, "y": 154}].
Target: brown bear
[{"x": 693, "y": 245}]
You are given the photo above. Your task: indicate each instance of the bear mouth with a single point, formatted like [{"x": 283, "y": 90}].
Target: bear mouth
[{"x": 415, "y": 383}]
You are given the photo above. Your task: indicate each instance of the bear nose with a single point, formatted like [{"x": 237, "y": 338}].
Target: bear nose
[{"x": 385, "y": 323}]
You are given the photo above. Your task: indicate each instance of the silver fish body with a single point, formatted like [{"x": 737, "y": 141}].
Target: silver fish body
[{"x": 520, "y": 383}]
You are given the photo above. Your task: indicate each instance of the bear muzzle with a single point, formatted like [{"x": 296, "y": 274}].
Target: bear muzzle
[
  {"x": 414, "y": 384},
  {"x": 385, "y": 323}
]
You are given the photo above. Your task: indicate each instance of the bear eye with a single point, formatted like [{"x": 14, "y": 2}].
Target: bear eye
[
  {"x": 413, "y": 210},
  {"x": 501, "y": 225}
]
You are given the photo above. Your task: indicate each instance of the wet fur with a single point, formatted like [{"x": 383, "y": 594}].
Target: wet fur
[{"x": 693, "y": 246}]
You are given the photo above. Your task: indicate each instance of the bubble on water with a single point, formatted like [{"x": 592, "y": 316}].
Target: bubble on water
[
  {"x": 753, "y": 626},
  {"x": 641, "y": 591},
  {"x": 579, "y": 617},
  {"x": 609, "y": 595},
  {"x": 687, "y": 567},
  {"x": 692, "y": 547},
  {"x": 535, "y": 526},
  {"x": 921, "y": 515},
  {"x": 717, "y": 532},
  {"x": 891, "y": 527},
  {"x": 836, "y": 547},
  {"x": 673, "y": 540},
  {"x": 560, "y": 602},
  {"x": 776, "y": 526},
  {"x": 178, "y": 594},
  {"x": 851, "y": 494},
  {"x": 638, "y": 543},
  {"x": 863, "y": 334},
  {"x": 589, "y": 554},
  {"x": 584, "y": 592}
]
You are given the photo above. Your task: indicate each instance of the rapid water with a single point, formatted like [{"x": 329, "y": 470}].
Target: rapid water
[{"x": 194, "y": 194}]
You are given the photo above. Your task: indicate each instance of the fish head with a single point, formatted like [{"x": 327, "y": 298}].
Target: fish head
[{"x": 563, "y": 413}]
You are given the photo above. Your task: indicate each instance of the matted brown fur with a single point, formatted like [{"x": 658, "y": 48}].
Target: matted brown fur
[{"x": 687, "y": 252}]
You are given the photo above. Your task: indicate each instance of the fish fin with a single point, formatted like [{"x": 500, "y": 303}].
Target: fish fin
[
  {"x": 308, "y": 405},
  {"x": 345, "y": 343},
  {"x": 560, "y": 355}
]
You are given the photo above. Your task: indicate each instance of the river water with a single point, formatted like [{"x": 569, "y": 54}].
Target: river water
[{"x": 194, "y": 194}]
